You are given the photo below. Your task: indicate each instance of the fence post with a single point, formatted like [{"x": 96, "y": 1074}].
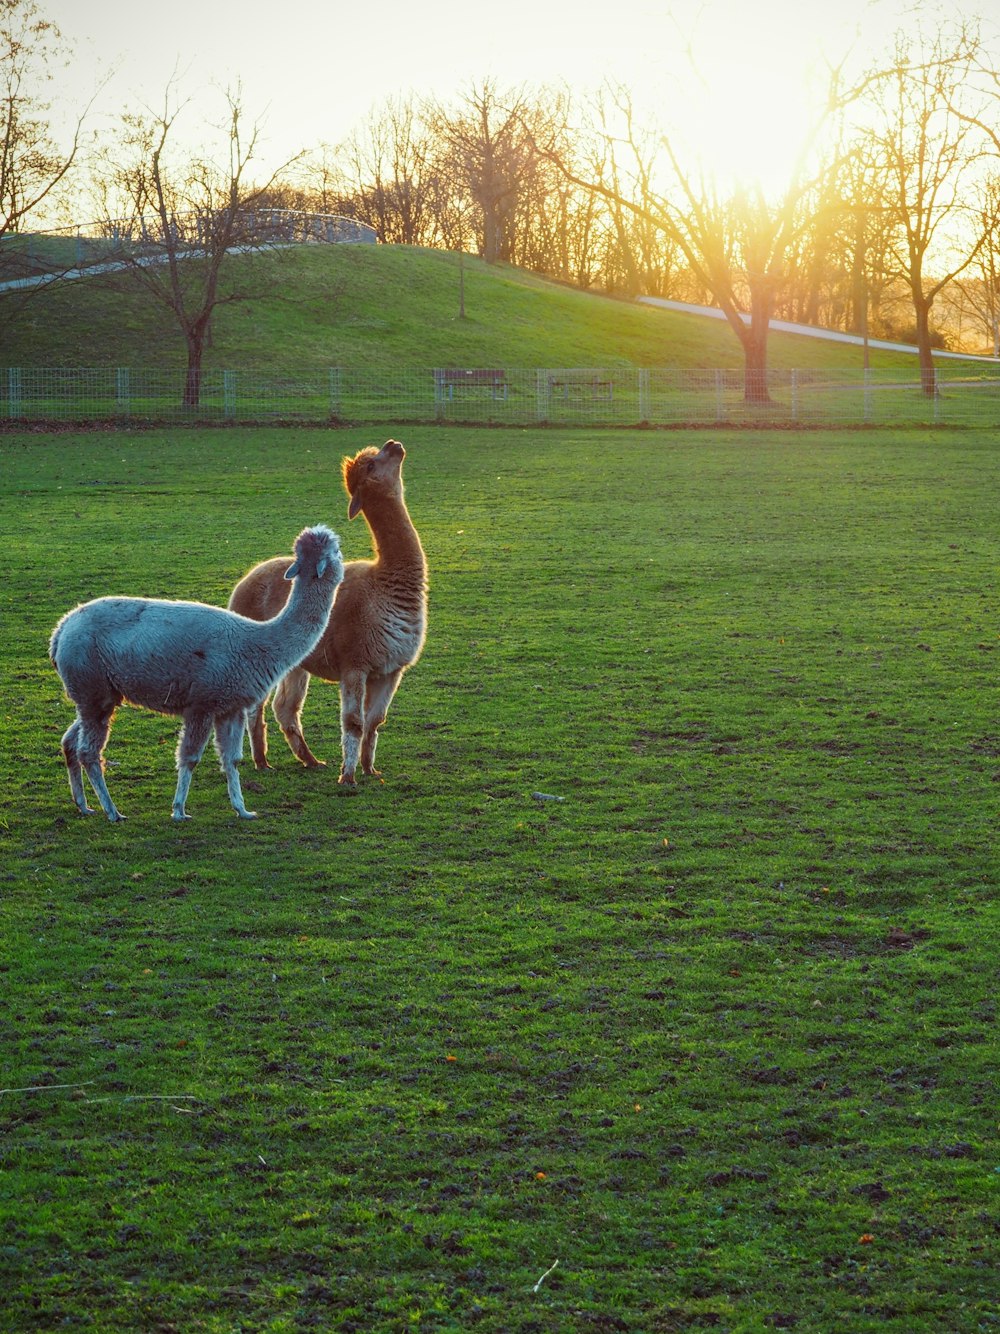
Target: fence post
[
  {"x": 334, "y": 391},
  {"x": 229, "y": 394},
  {"x": 439, "y": 394},
  {"x": 542, "y": 395},
  {"x": 644, "y": 408},
  {"x": 795, "y": 395},
  {"x": 867, "y": 391},
  {"x": 720, "y": 412},
  {"x": 14, "y": 384},
  {"x": 122, "y": 390}
]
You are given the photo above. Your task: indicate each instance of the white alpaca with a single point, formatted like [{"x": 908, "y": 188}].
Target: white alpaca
[{"x": 204, "y": 664}]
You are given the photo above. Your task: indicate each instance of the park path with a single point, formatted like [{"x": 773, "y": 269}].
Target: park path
[{"x": 806, "y": 330}]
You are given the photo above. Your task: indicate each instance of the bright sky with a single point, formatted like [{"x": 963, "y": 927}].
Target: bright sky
[{"x": 313, "y": 69}]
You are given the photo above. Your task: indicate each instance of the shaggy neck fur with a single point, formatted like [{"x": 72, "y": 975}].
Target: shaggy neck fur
[{"x": 398, "y": 553}]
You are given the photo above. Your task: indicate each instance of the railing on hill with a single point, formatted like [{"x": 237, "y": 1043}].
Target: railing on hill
[
  {"x": 87, "y": 244},
  {"x": 609, "y": 396}
]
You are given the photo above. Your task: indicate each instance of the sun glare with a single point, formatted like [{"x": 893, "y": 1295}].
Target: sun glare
[
  {"x": 733, "y": 83},
  {"x": 751, "y": 83}
]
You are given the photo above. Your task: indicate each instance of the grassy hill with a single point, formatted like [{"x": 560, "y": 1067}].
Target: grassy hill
[{"x": 381, "y": 306}]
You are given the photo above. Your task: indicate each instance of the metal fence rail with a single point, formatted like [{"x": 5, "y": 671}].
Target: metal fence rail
[{"x": 576, "y": 396}]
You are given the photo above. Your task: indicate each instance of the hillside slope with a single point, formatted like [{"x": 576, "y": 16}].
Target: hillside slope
[{"x": 381, "y": 306}]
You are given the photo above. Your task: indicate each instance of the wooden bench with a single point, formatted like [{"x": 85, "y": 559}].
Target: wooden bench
[
  {"x": 491, "y": 381},
  {"x": 578, "y": 386}
]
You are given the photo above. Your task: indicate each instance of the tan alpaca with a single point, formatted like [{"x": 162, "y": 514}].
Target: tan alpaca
[{"x": 376, "y": 628}]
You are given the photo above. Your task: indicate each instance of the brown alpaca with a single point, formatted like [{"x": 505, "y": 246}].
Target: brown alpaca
[{"x": 376, "y": 628}]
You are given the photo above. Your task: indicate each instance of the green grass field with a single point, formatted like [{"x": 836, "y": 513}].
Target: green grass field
[{"x": 715, "y": 1030}]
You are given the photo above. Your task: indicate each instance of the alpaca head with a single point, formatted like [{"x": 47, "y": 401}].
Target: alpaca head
[
  {"x": 317, "y": 552},
  {"x": 374, "y": 475}
]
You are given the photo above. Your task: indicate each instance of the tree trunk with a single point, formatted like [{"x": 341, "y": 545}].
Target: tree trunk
[
  {"x": 755, "y": 366},
  {"x": 928, "y": 381},
  {"x": 491, "y": 234},
  {"x": 192, "y": 380},
  {"x": 858, "y": 321},
  {"x": 754, "y": 340}
]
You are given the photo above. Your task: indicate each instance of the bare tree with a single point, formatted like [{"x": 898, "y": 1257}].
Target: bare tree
[
  {"x": 486, "y": 148},
  {"x": 32, "y": 166},
  {"x": 471, "y": 176},
  {"x": 926, "y": 149},
  {"x": 182, "y": 219},
  {"x": 389, "y": 174},
  {"x": 318, "y": 184},
  {"x": 866, "y": 234},
  {"x": 638, "y": 255},
  {"x": 736, "y": 247},
  {"x": 837, "y": 272},
  {"x": 980, "y": 287}
]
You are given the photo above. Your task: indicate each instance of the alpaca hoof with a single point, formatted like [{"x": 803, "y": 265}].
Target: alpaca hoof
[
  {"x": 262, "y": 765},
  {"x": 116, "y": 817},
  {"x": 247, "y": 815},
  {"x": 313, "y": 763},
  {"x": 180, "y": 815}
]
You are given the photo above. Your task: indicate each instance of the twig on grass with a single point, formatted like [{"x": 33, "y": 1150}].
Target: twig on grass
[
  {"x": 161, "y": 1097},
  {"x": 172, "y": 1098},
  {"x": 545, "y": 1275},
  {"x": 47, "y": 1088}
]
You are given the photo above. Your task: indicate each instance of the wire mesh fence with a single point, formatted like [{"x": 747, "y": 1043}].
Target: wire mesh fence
[{"x": 601, "y": 396}]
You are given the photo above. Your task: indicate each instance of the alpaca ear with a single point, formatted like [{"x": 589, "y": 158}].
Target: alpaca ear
[
  {"x": 323, "y": 566},
  {"x": 292, "y": 570},
  {"x": 354, "y": 509}
]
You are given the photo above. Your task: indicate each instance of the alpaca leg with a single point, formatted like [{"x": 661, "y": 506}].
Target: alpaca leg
[
  {"x": 378, "y": 696},
  {"x": 256, "y": 725},
  {"x": 83, "y": 749},
  {"x": 74, "y": 768},
  {"x": 190, "y": 748},
  {"x": 288, "y": 700},
  {"x": 352, "y": 723},
  {"x": 229, "y": 745}
]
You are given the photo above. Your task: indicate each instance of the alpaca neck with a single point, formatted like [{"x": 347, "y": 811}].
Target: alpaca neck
[
  {"x": 395, "y": 539},
  {"x": 305, "y": 613}
]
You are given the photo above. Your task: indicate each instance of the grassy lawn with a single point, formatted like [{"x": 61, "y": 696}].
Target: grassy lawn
[{"x": 715, "y": 1028}]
